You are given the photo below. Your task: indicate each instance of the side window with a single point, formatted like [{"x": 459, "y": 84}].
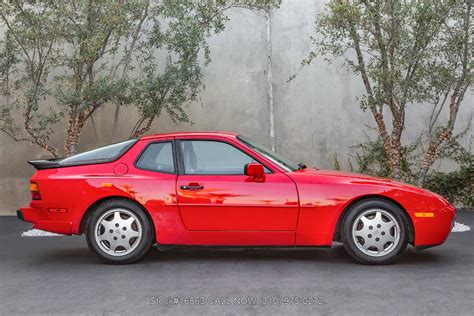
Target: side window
[
  {"x": 213, "y": 157},
  {"x": 157, "y": 157}
]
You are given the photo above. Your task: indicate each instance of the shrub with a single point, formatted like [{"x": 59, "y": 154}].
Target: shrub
[{"x": 456, "y": 186}]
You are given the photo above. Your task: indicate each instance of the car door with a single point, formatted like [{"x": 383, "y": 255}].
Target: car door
[{"x": 214, "y": 194}]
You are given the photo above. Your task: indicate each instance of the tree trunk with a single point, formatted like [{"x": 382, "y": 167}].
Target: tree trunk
[
  {"x": 435, "y": 143},
  {"x": 392, "y": 147},
  {"x": 268, "y": 23},
  {"x": 140, "y": 131},
  {"x": 430, "y": 155},
  {"x": 455, "y": 101},
  {"x": 74, "y": 130},
  {"x": 126, "y": 68},
  {"x": 395, "y": 159},
  {"x": 115, "y": 123}
]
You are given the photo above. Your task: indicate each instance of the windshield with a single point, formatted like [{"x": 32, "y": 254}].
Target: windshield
[{"x": 286, "y": 164}]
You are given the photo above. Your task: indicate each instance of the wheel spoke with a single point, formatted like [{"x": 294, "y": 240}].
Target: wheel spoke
[
  {"x": 107, "y": 225},
  {"x": 117, "y": 216},
  {"x": 113, "y": 245},
  {"x": 105, "y": 237},
  {"x": 132, "y": 234},
  {"x": 379, "y": 247},
  {"x": 378, "y": 218},
  {"x": 388, "y": 226},
  {"x": 367, "y": 245},
  {"x": 126, "y": 244},
  {"x": 128, "y": 222},
  {"x": 389, "y": 238},
  {"x": 365, "y": 221}
]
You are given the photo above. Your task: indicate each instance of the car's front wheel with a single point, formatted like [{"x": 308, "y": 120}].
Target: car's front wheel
[
  {"x": 375, "y": 232},
  {"x": 119, "y": 232}
]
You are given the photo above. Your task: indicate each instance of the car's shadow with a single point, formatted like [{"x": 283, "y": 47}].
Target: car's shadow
[{"x": 335, "y": 256}]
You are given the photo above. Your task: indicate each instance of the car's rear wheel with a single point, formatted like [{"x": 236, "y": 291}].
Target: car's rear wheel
[
  {"x": 119, "y": 232},
  {"x": 375, "y": 231}
]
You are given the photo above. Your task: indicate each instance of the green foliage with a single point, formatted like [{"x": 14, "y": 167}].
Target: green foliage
[
  {"x": 179, "y": 30},
  {"x": 407, "y": 53},
  {"x": 407, "y": 46},
  {"x": 58, "y": 61},
  {"x": 62, "y": 60},
  {"x": 457, "y": 186},
  {"x": 370, "y": 157}
]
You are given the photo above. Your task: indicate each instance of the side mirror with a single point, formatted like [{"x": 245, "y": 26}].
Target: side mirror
[{"x": 254, "y": 170}]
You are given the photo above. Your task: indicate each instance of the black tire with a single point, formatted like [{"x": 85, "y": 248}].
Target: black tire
[
  {"x": 142, "y": 246},
  {"x": 355, "y": 212}
]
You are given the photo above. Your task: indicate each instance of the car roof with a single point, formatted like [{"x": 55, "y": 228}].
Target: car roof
[{"x": 178, "y": 134}]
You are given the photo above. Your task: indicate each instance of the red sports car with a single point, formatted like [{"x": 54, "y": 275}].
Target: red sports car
[{"x": 222, "y": 189}]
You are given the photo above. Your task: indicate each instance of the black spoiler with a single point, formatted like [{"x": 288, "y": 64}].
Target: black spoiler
[
  {"x": 45, "y": 164},
  {"x": 57, "y": 163}
]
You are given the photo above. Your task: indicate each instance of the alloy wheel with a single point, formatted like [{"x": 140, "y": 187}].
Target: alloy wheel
[
  {"x": 376, "y": 232},
  {"x": 118, "y": 232}
]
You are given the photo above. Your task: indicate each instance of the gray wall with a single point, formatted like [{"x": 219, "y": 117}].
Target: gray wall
[{"x": 316, "y": 115}]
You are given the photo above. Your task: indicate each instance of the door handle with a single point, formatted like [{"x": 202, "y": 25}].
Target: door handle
[{"x": 192, "y": 187}]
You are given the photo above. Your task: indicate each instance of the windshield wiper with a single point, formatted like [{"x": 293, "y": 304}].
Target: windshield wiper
[{"x": 301, "y": 166}]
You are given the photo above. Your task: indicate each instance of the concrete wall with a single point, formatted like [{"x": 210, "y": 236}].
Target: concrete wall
[{"x": 316, "y": 115}]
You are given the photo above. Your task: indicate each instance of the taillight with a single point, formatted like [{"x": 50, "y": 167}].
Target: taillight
[{"x": 35, "y": 194}]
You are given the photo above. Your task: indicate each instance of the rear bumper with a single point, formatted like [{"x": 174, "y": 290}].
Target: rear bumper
[
  {"x": 433, "y": 231},
  {"x": 44, "y": 220}
]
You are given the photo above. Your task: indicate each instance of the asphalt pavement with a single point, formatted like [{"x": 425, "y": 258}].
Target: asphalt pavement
[{"x": 59, "y": 275}]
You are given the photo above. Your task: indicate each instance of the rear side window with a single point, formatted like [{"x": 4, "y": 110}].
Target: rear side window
[
  {"x": 103, "y": 154},
  {"x": 157, "y": 157}
]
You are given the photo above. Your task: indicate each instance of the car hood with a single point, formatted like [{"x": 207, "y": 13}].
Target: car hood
[
  {"x": 357, "y": 178},
  {"x": 327, "y": 177}
]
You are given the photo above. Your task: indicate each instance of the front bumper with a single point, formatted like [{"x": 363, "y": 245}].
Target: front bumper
[
  {"x": 44, "y": 220},
  {"x": 433, "y": 231}
]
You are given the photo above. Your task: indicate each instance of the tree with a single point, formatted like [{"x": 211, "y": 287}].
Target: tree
[
  {"x": 406, "y": 53},
  {"x": 56, "y": 51},
  {"x": 189, "y": 24},
  {"x": 63, "y": 60}
]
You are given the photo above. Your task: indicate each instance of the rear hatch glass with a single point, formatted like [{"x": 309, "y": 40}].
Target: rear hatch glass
[
  {"x": 100, "y": 155},
  {"x": 107, "y": 153}
]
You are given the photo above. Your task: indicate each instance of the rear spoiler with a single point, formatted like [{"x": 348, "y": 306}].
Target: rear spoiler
[
  {"x": 45, "y": 164},
  {"x": 56, "y": 163}
]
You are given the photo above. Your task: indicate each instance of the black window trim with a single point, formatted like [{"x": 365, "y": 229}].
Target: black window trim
[
  {"x": 181, "y": 170},
  {"x": 173, "y": 149}
]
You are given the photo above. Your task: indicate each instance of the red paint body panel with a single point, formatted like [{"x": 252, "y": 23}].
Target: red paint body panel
[
  {"x": 298, "y": 208},
  {"x": 239, "y": 203},
  {"x": 324, "y": 195},
  {"x": 39, "y": 216}
]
